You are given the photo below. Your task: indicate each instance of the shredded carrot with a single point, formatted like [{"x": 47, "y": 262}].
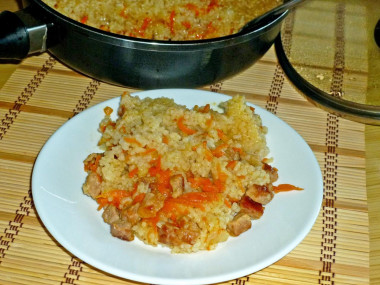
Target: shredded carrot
[
  {"x": 213, "y": 4},
  {"x": 163, "y": 177},
  {"x": 193, "y": 8},
  {"x": 209, "y": 121},
  {"x": 207, "y": 185},
  {"x": 165, "y": 139},
  {"x": 123, "y": 13},
  {"x": 104, "y": 28},
  {"x": 123, "y": 129},
  {"x": 227, "y": 203},
  {"x": 186, "y": 24},
  {"x": 153, "y": 221},
  {"x": 231, "y": 164},
  {"x": 138, "y": 198},
  {"x": 92, "y": 166},
  {"x": 204, "y": 109},
  {"x": 148, "y": 151},
  {"x": 104, "y": 127},
  {"x": 222, "y": 135},
  {"x": 112, "y": 197},
  {"x": 208, "y": 152},
  {"x": 84, "y": 19},
  {"x": 132, "y": 140},
  {"x": 108, "y": 110},
  {"x": 237, "y": 149},
  {"x": 171, "y": 22},
  {"x": 184, "y": 128},
  {"x": 218, "y": 151},
  {"x": 285, "y": 187},
  {"x": 133, "y": 172},
  {"x": 144, "y": 26},
  {"x": 252, "y": 109}
]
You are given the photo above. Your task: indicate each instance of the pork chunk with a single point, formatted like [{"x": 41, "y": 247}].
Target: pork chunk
[
  {"x": 240, "y": 223},
  {"x": 253, "y": 209},
  {"x": 172, "y": 235},
  {"x": 122, "y": 230},
  {"x": 110, "y": 214},
  {"x": 272, "y": 171},
  {"x": 260, "y": 193},
  {"x": 93, "y": 186}
]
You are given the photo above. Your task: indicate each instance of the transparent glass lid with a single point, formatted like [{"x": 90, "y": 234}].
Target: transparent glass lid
[{"x": 328, "y": 51}]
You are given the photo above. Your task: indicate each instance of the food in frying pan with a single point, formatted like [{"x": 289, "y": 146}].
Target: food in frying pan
[
  {"x": 183, "y": 178},
  {"x": 174, "y": 20}
]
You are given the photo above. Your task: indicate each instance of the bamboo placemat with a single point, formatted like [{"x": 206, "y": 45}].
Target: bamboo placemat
[{"x": 42, "y": 94}]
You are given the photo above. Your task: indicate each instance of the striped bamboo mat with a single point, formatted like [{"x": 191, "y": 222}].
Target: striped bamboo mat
[{"x": 43, "y": 94}]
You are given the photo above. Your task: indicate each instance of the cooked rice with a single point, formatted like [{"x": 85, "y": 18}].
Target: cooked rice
[
  {"x": 183, "y": 172},
  {"x": 165, "y": 19}
]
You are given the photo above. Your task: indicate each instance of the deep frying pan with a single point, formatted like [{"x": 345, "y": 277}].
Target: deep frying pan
[{"x": 128, "y": 61}]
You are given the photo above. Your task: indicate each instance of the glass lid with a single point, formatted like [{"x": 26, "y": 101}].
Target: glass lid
[{"x": 328, "y": 50}]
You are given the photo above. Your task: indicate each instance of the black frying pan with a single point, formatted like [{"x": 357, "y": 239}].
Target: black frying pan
[{"x": 131, "y": 61}]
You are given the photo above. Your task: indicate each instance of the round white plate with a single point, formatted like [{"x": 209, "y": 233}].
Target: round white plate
[{"x": 73, "y": 220}]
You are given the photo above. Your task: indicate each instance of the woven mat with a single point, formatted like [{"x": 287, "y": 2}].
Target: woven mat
[{"x": 43, "y": 94}]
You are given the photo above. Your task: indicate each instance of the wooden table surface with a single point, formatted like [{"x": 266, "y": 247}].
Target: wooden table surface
[{"x": 372, "y": 141}]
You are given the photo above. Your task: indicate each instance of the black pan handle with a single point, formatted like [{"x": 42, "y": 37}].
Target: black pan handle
[
  {"x": 21, "y": 34},
  {"x": 377, "y": 33}
]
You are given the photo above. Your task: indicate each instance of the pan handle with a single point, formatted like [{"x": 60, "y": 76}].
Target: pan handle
[{"x": 21, "y": 35}]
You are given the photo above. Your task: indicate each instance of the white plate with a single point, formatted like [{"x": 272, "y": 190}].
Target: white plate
[{"x": 73, "y": 220}]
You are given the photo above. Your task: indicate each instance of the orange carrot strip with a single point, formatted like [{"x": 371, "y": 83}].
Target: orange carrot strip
[
  {"x": 144, "y": 26},
  {"x": 237, "y": 149},
  {"x": 84, "y": 19},
  {"x": 285, "y": 187},
  {"x": 193, "y": 8},
  {"x": 171, "y": 22},
  {"x": 204, "y": 109},
  {"x": 138, "y": 198},
  {"x": 93, "y": 166},
  {"x": 184, "y": 128},
  {"x": 112, "y": 197},
  {"x": 218, "y": 151},
  {"x": 148, "y": 151},
  {"x": 227, "y": 203},
  {"x": 222, "y": 135},
  {"x": 132, "y": 140},
  {"x": 108, "y": 110},
  {"x": 165, "y": 139},
  {"x": 231, "y": 164},
  {"x": 133, "y": 172},
  {"x": 123, "y": 13},
  {"x": 209, "y": 121},
  {"x": 186, "y": 24},
  {"x": 208, "y": 152}
]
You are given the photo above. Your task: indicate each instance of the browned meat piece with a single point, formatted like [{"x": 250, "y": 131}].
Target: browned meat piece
[
  {"x": 240, "y": 223},
  {"x": 122, "y": 230},
  {"x": 92, "y": 186},
  {"x": 251, "y": 208},
  {"x": 151, "y": 204},
  {"x": 260, "y": 193},
  {"x": 172, "y": 235},
  {"x": 177, "y": 183},
  {"x": 130, "y": 214},
  {"x": 110, "y": 214},
  {"x": 272, "y": 171}
]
